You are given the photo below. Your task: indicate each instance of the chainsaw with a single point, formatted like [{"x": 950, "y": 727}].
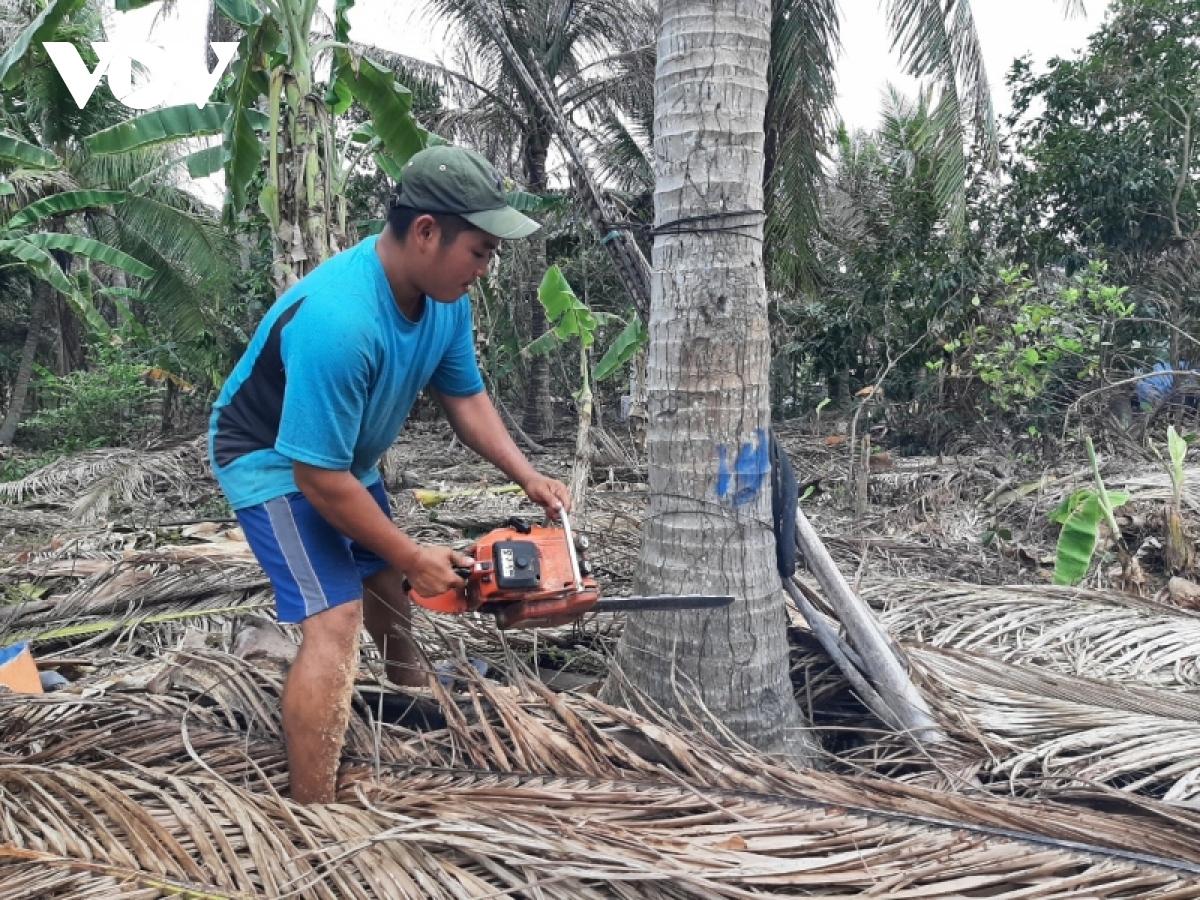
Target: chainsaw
[{"x": 530, "y": 576}]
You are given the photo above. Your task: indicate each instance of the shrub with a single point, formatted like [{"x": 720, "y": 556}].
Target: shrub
[{"x": 108, "y": 405}]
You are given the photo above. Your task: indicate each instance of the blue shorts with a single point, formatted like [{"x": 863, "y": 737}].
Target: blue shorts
[{"x": 312, "y": 566}]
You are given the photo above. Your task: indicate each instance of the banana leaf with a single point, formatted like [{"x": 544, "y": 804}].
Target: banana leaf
[
  {"x": 92, "y": 249},
  {"x": 389, "y": 166},
  {"x": 38, "y": 30},
  {"x": 1080, "y": 516},
  {"x": 244, "y": 12},
  {"x": 622, "y": 349},
  {"x": 388, "y": 102},
  {"x": 60, "y": 204},
  {"x": 341, "y": 20},
  {"x": 206, "y": 162},
  {"x": 162, "y": 126},
  {"x": 568, "y": 315},
  {"x": 15, "y": 150},
  {"x": 242, "y": 145},
  {"x": 523, "y": 201},
  {"x": 38, "y": 261},
  {"x": 42, "y": 265},
  {"x": 121, "y": 293}
]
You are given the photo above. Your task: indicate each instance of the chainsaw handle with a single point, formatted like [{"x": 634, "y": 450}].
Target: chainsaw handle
[
  {"x": 452, "y": 601},
  {"x": 463, "y": 572}
]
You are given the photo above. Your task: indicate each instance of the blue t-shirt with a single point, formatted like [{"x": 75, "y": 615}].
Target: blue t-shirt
[{"x": 330, "y": 376}]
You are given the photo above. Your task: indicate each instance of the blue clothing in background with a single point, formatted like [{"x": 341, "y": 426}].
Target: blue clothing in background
[
  {"x": 1154, "y": 390},
  {"x": 330, "y": 376}
]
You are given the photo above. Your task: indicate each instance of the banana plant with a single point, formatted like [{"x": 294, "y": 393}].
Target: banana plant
[
  {"x": 23, "y": 244},
  {"x": 308, "y": 164},
  {"x": 1178, "y": 550},
  {"x": 569, "y": 318},
  {"x": 32, "y": 239},
  {"x": 1080, "y": 515}
]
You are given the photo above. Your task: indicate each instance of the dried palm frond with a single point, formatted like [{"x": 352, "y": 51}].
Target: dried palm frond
[
  {"x": 1075, "y": 631},
  {"x": 1157, "y": 486},
  {"x": 126, "y": 793},
  {"x": 31, "y": 520},
  {"x": 1050, "y": 734},
  {"x": 86, "y": 483},
  {"x": 923, "y": 558},
  {"x": 153, "y": 584}
]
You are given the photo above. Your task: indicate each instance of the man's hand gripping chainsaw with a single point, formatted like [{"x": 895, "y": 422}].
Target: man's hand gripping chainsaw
[{"x": 532, "y": 577}]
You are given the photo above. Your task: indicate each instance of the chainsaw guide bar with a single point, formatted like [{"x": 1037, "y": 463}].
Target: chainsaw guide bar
[{"x": 661, "y": 602}]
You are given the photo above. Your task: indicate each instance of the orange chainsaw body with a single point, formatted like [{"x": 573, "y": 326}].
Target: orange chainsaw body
[{"x": 525, "y": 575}]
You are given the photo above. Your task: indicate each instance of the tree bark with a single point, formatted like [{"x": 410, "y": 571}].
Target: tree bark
[
  {"x": 538, "y": 418},
  {"x": 626, "y": 256},
  {"x": 16, "y": 405},
  {"x": 708, "y": 527}
]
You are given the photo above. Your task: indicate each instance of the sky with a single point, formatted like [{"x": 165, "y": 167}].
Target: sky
[{"x": 1007, "y": 29}]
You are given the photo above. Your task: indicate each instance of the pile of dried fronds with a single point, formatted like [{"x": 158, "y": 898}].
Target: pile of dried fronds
[
  {"x": 160, "y": 772},
  {"x": 88, "y": 485},
  {"x": 163, "y": 778},
  {"x": 1053, "y": 692}
]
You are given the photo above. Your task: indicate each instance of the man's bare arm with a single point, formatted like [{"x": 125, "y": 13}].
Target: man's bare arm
[{"x": 478, "y": 425}]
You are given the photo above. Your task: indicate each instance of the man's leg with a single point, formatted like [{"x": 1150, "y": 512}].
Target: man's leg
[
  {"x": 387, "y": 614},
  {"x": 316, "y": 700}
]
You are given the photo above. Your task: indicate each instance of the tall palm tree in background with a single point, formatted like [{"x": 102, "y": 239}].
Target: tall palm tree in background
[{"x": 572, "y": 47}]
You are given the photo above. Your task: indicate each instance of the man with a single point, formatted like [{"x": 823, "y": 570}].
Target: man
[{"x": 320, "y": 394}]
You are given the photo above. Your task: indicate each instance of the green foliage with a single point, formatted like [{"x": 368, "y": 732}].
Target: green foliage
[
  {"x": 895, "y": 277},
  {"x": 163, "y": 126},
  {"x": 1080, "y": 515},
  {"x": 1177, "y": 447},
  {"x": 571, "y": 318},
  {"x": 74, "y": 216},
  {"x": 623, "y": 348},
  {"x": 40, "y": 29},
  {"x": 1099, "y": 141},
  {"x": 17, "y": 466},
  {"x": 1042, "y": 344},
  {"x": 15, "y": 150},
  {"x": 106, "y": 406}
]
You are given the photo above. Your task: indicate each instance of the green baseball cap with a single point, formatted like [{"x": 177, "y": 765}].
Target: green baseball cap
[{"x": 445, "y": 179}]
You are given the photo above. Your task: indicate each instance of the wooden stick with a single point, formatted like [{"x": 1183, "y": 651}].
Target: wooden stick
[
  {"x": 841, "y": 653},
  {"x": 881, "y": 659}
]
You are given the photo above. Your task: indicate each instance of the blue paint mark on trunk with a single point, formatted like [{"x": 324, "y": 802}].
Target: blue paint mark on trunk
[
  {"x": 750, "y": 470},
  {"x": 722, "y": 471}
]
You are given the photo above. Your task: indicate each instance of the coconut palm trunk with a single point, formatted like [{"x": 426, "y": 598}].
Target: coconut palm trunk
[
  {"x": 538, "y": 418},
  {"x": 708, "y": 528},
  {"x": 33, "y": 338}
]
